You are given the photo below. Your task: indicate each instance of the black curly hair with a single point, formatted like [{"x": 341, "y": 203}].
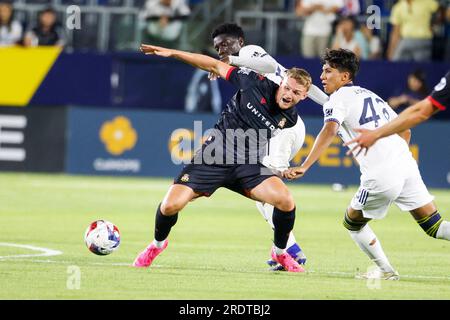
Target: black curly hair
[
  {"x": 228, "y": 28},
  {"x": 343, "y": 60}
]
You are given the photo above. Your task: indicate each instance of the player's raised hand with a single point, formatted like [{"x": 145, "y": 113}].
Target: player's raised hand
[
  {"x": 294, "y": 173},
  {"x": 159, "y": 51},
  {"x": 363, "y": 142}
]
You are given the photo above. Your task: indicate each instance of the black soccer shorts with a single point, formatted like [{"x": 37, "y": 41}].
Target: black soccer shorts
[{"x": 206, "y": 179}]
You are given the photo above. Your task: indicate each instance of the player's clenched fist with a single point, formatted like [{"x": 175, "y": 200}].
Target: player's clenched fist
[{"x": 294, "y": 173}]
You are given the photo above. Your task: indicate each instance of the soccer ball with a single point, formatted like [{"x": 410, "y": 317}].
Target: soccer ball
[{"x": 102, "y": 237}]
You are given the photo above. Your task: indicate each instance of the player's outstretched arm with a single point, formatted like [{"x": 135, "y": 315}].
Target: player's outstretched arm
[
  {"x": 409, "y": 118},
  {"x": 323, "y": 140},
  {"x": 262, "y": 64},
  {"x": 197, "y": 60},
  {"x": 317, "y": 95}
]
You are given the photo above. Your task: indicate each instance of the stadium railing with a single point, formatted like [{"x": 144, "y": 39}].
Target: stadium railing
[{"x": 270, "y": 23}]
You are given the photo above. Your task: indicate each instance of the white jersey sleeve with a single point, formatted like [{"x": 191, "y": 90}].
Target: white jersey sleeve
[
  {"x": 257, "y": 59},
  {"x": 284, "y": 146},
  {"x": 335, "y": 110}
]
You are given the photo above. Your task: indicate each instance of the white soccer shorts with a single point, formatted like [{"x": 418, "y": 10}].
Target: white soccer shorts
[{"x": 411, "y": 193}]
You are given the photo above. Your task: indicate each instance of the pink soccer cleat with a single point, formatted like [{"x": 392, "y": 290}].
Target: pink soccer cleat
[
  {"x": 287, "y": 262},
  {"x": 146, "y": 257}
]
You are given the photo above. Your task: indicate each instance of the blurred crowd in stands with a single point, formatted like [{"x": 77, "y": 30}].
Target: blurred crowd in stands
[
  {"x": 46, "y": 32},
  {"x": 418, "y": 30}
]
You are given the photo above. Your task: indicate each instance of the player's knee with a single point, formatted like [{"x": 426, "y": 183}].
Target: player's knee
[
  {"x": 285, "y": 202},
  {"x": 169, "y": 208},
  {"x": 353, "y": 224}
]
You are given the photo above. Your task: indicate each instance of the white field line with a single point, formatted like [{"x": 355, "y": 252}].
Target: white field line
[
  {"x": 328, "y": 273},
  {"x": 45, "y": 252}
]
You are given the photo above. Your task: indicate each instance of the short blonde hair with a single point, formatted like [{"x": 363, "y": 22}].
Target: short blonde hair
[{"x": 301, "y": 76}]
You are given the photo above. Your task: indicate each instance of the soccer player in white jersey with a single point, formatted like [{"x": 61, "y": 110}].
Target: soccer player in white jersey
[
  {"x": 438, "y": 100},
  {"x": 389, "y": 173},
  {"x": 228, "y": 41}
]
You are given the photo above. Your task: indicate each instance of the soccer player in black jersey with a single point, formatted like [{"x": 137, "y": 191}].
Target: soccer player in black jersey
[
  {"x": 258, "y": 110},
  {"x": 438, "y": 100}
]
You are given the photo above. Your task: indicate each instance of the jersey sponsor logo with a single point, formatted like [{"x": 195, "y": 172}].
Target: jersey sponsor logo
[
  {"x": 441, "y": 85},
  {"x": 260, "y": 116},
  {"x": 328, "y": 112}
]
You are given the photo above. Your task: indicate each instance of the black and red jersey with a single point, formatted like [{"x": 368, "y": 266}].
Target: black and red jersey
[
  {"x": 440, "y": 97},
  {"x": 251, "y": 115},
  {"x": 254, "y": 105}
]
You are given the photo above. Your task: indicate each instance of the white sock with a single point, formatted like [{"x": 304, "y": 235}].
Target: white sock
[
  {"x": 317, "y": 95},
  {"x": 159, "y": 244},
  {"x": 443, "y": 231},
  {"x": 291, "y": 240},
  {"x": 368, "y": 242},
  {"x": 266, "y": 211},
  {"x": 278, "y": 251}
]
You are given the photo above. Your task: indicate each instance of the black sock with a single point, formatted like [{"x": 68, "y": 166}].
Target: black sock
[
  {"x": 284, "y": 223},
  {"x": 163, "y": 224}
]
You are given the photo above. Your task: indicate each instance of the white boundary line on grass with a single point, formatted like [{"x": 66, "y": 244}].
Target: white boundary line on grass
[
  {"x": 330, "y": 273},
  {"x": 45, "y": 252}
]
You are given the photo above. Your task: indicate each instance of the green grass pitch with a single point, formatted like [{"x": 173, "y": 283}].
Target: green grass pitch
[{"x": 217, "y": 250}]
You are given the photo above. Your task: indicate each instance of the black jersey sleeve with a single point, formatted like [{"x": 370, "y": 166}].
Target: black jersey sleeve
[
  {"x": 440, "y": 97},
  {"x": 243, "y": 78}
]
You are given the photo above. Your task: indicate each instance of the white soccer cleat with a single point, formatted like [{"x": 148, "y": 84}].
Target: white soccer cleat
[{"x": 377, "y": 274}]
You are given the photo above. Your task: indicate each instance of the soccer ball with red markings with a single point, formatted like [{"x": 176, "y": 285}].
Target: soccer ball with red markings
[{"x": 102, "y": 237}]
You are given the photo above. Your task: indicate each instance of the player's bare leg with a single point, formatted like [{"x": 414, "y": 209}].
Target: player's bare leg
[
  {"x": 431, "y": 221},
  {"x": 275, "y": 192},
  {"x": 175, "y": 200},
  {"x": 366, "y": 239}
]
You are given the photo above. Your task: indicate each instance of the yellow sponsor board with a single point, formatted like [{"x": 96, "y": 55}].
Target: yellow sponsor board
[
  {"x": 22, "y": 72},
  {"x": 333, "y": 156}
]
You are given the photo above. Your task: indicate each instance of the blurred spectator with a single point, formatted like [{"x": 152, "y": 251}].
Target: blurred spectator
[
  {"x": 319, "y": 17},
  {"x": 416, "y": 90},
  {"x": 164, "y": 21},
  {"x": 203, "y": 95},
  {"x": 411, "y": 35},
  {"x": 10, "y": 30},
  {"x": 351, "y": 8},
  {"x": 345, "y": 36},
  {"x": 374, "y": 45},
  {"x": 441, "y": 32},
  {"x": 47, "y": 33}
]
